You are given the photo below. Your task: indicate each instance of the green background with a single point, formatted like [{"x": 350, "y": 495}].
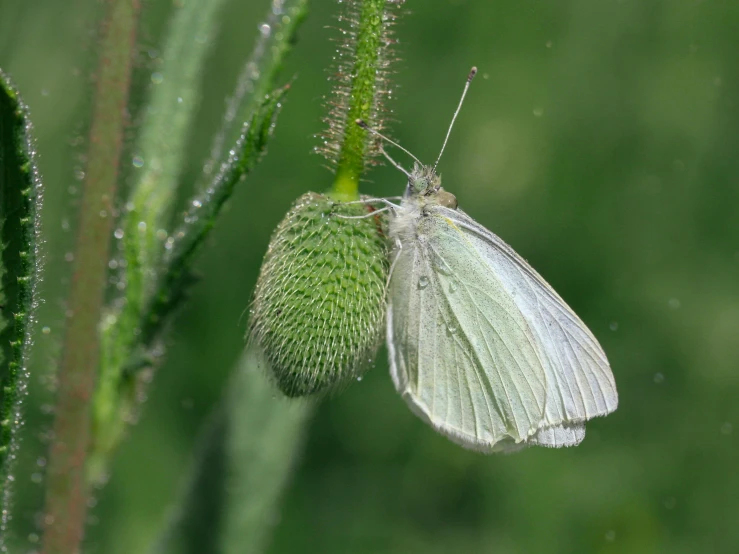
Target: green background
[{"x": 600, "y": 140}]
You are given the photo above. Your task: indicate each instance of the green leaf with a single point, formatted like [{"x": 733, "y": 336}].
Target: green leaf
[
  {"x": 203, "y": 211},
  {"x": 244, "y": 463},
  {"x": 20, "y": 203},
  {"x": 151, "y": 291}
]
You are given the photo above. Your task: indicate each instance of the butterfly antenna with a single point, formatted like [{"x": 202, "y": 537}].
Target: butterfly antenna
[
  {"x": 471, "y": 76},
  {"x": 366, "y": 127}
]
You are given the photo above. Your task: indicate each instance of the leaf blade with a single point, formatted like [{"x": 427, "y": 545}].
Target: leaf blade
[{"x": 20, "y": 203}]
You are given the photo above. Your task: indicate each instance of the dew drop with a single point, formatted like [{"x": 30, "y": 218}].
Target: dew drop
[
  {"x": 46, "y": 330},
  {"x": 727, "y": 428},
  {"x": 611, "y": 535},
  {"x": 673, "y": 303},
  {"x": 659, "y": 378},
  {"x": 453, "y": 286},
  {"x": 157, "y": 78},
  {"x": 613, "y": 326},
  {"x": 423, "y": 282},
  {"x": 138, "y": 161},
  {"x": 118, "y": 233}
]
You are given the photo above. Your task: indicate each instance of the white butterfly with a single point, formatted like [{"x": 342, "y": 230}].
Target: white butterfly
[{"x": 481, "y": 347}]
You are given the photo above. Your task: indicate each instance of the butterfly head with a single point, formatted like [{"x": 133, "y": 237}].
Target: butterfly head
[
  {"x": 422, "y": 181},
  {"x": 425, "y": 184}
]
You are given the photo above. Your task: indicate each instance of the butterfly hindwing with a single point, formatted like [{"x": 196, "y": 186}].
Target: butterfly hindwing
[{"x": 580, "y": 384}]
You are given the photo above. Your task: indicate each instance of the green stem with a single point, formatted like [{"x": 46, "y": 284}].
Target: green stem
[
  {"x": 366, "y": 80},
  {"x": 66, "y": 500}
]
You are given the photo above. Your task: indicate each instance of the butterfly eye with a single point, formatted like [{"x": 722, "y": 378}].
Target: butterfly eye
[{"x": 420, "y": 184}]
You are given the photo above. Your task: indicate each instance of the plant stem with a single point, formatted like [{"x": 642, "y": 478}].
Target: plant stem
[
  {"x": 66, "y": 500},
  {"x": 362, "y": 88}
]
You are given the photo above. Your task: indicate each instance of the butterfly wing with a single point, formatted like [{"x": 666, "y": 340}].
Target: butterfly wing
[
  {"x": 580, "y": 384},
  {"x": 461, "y": 351}
]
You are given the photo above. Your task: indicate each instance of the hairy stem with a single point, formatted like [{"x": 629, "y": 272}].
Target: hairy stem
[{"x": 66, "y": 500}]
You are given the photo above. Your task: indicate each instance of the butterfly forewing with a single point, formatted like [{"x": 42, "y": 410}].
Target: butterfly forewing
[{"x": 461, "y": 351}]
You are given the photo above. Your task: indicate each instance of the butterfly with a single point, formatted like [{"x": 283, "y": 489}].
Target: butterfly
[{"x": 480, "y": 345}]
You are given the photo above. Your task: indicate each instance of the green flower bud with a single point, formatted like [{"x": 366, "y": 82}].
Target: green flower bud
[{"x": 319, "y": 303}]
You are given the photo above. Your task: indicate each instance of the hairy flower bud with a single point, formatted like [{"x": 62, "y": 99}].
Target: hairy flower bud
[{"x": 319, "y": 303}]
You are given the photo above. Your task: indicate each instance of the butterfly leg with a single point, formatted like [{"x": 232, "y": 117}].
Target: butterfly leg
[
  {"x": 381, "y": 200},
  {"x": 398, "y": 248},
  {"x": 365, "y": 216}
]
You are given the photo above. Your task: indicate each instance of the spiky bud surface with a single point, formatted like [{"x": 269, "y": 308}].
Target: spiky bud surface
[{"x": 319, "y": 304}]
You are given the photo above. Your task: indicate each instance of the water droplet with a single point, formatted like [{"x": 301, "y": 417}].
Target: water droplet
[
  {"x": 138, "y": 161},
  {"x": 423, "y": 282},
  {"x": 46, "y": 330},
  {"x": 538, "y": 112},
  {"x": 453, "y": 286},
  {"x": 157, "y": 78},
  {"x": 118, "y": 233},
  {"x": 613, "y": 326},
  {"x": 673, "y": 303},
  {"x": 727, "y": 428},
  {"x": 611, "y": 535},
  {"x": 659, "y": 378},
  {"x": 265, "y": 29},
  {"x": 549, "y": 44},
  {"x": 197, "y": 204},
  {"x": 69, "y": 257},
  {"x": 141, "y": 226},
  {"x": 359, "y": 378},
  {"x": 37, "y": 478}
]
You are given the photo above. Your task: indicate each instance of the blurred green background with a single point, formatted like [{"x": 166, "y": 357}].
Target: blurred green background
[{"x": 600, "y": 141}]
